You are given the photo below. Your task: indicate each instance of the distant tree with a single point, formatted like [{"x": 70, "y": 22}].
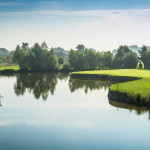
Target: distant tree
[
  {"x": 120, "y": 53},
  {"x": 44, "y": 46},
  {"x": 9, "y": 59},
  {"x": 18, "y": 55},
  {"x": 91, "y": 58},
  {"x": 144, "y": 56},
  {"x": 107, "y": 58},
  {"x": 130, "y": 60},
  {"x": 122, "y": 50},
  {"x": 66, "y": 67},
  {"x": 61, "y": 60},
  {"x": 52, "y": 62},
  {"x": 73, "y": 59},
  {"x": 4, "y": 52},
  {"x": 25, "y": 46},
  {"x": 80, "y": 48},
  {"x": 36, "y": 58}
]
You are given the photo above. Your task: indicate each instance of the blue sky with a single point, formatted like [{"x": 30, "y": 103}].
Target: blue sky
[
  {"x": 26, "y": 5},
  {"x": 100, "y": 24}
]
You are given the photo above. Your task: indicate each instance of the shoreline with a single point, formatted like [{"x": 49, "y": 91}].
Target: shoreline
[{"x": 114, "y": 93}]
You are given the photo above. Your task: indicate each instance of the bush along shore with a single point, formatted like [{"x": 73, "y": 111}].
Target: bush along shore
[{"x": 133, "y": 86}]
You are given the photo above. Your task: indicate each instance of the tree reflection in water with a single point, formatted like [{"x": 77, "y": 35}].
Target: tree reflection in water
[
  {"x": 75, "y": 84},
  {"x": 139, "y": 110},
  {"x": 40, "y": 84},
  {"x": 43, "y": 84}
]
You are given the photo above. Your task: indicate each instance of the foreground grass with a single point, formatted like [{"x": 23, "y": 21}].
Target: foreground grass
[
  {"x": 137, "y": 87},
  {"x": 12, "y": 67}
]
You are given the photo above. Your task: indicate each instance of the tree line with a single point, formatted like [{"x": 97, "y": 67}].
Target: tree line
[{"x": 41, "y": 58}]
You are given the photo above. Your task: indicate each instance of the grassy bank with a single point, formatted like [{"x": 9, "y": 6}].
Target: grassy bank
[
  {"x": 11, "y": 67},
  {"x": 138, "y": 90}
]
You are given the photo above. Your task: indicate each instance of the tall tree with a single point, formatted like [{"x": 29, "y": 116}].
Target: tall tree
[
  {"x": 144, "y": 55},
  {"x": 130, "y": 60},
  {"x": 25, "y": 46}
]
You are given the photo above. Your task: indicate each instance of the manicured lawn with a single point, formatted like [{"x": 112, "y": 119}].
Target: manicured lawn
[
  {"x": 119, "y": 72},
  {"x": 15, "y": 67},
  {"x": 141, "y": 86}
]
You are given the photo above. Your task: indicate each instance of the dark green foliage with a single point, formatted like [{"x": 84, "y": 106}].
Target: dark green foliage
[
  {"x": 80, "y": 48},
  {"x": 120, "y": 53},
  {"x": 66, "y": 67},
  {"x": 61, "y": 60},
  {"x": 25, "y": 46},
  {"x": 90, "y": 60},
  {"x": 107, "y": 59},
  {"x": 145, "y": 56},
  {"x": 122, "y": 50},
  {"x": 130, "y": 60},
  {"x": 37, "y": 58}
]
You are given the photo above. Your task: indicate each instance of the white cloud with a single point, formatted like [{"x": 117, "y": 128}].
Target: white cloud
[
  {"x": 99, "y": 29},
  {"x": 88, "y": 13}
]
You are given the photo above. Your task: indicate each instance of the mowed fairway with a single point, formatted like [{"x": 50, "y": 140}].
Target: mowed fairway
[
  {"x": 15, "y": 68},
  {"x": 141, "y": 86},
  {"x": 119, "y": 72}
]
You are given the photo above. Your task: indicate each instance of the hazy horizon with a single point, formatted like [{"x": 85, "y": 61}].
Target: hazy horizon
[{"x": 98, "y": 24}]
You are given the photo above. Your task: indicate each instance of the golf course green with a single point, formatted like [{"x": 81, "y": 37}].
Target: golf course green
[{"x": 137, "y": 91}]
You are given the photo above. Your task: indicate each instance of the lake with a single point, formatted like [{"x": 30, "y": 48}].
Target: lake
[{"x": 48, "y": 111}]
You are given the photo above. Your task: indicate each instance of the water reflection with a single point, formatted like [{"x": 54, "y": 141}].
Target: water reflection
[
  {"x": 40, "y": 84},
  {"x": 43, "y": 84},
  {"x": 87, "y": 85},
  {"x": 137, "y": 109}
]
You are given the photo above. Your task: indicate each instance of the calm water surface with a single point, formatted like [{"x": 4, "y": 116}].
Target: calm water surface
[{"x": 54, "y": 112}]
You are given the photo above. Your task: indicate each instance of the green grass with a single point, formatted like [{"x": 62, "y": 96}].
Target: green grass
[
  {"x": 12, "y": 67},
  {"x": 141, "y": 86},
  {"x": 119, "y": 72}
]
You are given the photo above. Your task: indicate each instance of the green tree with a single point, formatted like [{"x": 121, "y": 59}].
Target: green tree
[
  {"x": 130, "y": 60},
  {"x": 120, "y": 53},
  {"x": 144, "y": 56},
  {"x": 73, "y": 59},
  {"x": 25, "y": 46},
  {"x": 18, "y": 55},
  {"x": 107, "y": 58},
  {"x": 9, "y": 59},
  {"x": 44, "y": 46},
  {"x": 80, "y": 47},
  {"x": 61, "y": 60}
]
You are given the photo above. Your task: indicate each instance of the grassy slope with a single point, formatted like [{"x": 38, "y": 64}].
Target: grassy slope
[
  {"x": 15, "y": 67},
  {"x": 142, "y": 86}
]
